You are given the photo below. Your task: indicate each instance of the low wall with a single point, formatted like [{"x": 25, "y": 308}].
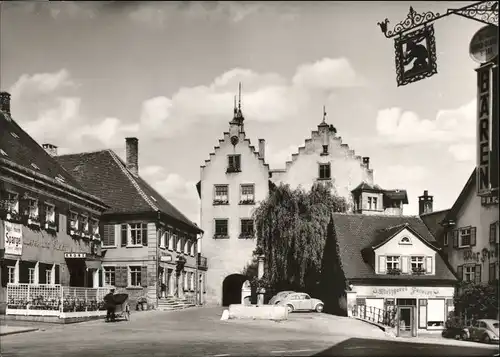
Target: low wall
[
  {"x": 65, "y": 318},
  {"x": 254, "y": 312}
]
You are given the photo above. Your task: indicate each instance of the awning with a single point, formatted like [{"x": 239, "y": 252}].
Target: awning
[{"x": 93, "y": 264}]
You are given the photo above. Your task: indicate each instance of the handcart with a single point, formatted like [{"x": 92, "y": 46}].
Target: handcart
[{"x": 121, "y": 307}]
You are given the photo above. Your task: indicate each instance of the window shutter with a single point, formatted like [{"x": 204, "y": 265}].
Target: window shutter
[
  {"x": 121, "y": 276},
  {"x": 238, "y": 161},
  {"x": 404, "y": 264},
  {"x": 492, "y": 273},
  {"x": 428, "y": 265},
  {"x": 101, "y": 282},
  {"x": 493, "y": 232},
  {"x": 41, "y": 274},
  {"x": 5, "y": 277},
  {"x": 477, "y": 274},
  {"x": 145, "y": 234},
  {"x": 473, "y": 236},
  {"x": 455, "y": 238},
  {"x": 68, "y": 222},
  {"x": 381, "y": 264},
  {"x": 460, "y": 272},
  {"x": 123, "y": 235},
  {"x": 57, "y": 273},
  {"x": 56, "y": 217},
  {"x": 24, "y": 272},
  {"x": 144, "y": 276},
  {"x": 41, "y": 213}
]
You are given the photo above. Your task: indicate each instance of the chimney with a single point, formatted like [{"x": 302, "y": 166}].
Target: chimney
[
  {"x": 425, "y": 203},
  {"x": 366, "y": 161},
  {"x": 5, "y": 102},
  {"x": 262, "y": 148},
  {"x": 51, "y": 149},
  {"x": 132, "y": 153}
]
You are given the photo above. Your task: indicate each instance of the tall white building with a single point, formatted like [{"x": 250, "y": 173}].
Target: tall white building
[{"x": 236, "y": 178}]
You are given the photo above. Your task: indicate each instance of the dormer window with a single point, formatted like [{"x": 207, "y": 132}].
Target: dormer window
[
  {"x": 324, "y": 171},
  {"x": 33, "y": 209},
  {"x": 405, "y": 240},
  {"x": 325, "y": 150},
  {"x": 73, "y": 223},
  {"x": 12, "y": 202},
  {"x": 233, "y": 163},
  {"x": 393, "y": 265},
  {"x": 85, "y": 225},
  {"x": 95, "y": 228}
]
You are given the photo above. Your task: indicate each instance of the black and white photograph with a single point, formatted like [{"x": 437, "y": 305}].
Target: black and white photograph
[{"x": 249, "y": 178}]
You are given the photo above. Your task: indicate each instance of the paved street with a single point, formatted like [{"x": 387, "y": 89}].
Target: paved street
[{"x": 199, "y": 332}]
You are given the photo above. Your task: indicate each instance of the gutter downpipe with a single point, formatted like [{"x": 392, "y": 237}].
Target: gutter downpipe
[
  {"x": 198, "y": 258},
  {"x": 158, "y": 238}
]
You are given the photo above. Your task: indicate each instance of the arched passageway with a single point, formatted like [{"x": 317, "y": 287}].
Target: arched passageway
[{"x": 231, "y": 289}]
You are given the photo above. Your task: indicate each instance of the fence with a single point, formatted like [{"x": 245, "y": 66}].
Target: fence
[
  {"x": 53, "y": 300},
  {"x": 374, "y": 314}
]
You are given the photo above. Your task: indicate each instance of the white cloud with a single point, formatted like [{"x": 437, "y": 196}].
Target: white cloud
[
  {"x": 41, "y": 83},
  {"x": 463, "y": 152},
  {"x": 399, "y": 127},
  {"x": 277, "y": 158},
  {"x": 327, "y": 74}
]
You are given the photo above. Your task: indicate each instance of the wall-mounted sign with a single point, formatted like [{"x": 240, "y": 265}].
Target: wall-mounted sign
[
  {"x": 403, "y": 292},
  {"x": 415, "y": 55},
  {"x": 13, "y": 238},
  {"x": 483, "y": 46},
  {"x": 166, "y": 258},
  {"x": 484, "y": 130}
]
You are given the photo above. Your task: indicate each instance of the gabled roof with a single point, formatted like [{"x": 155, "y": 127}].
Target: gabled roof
[
  {"x": 433, "y": 222},
  {"x": 103, "y": 173},
  {"x": 462, "y": 197},
  {"x": 365, "y": 186},
  {"x": 20, "y": 151},
  {"x": 385, "y": 235},
  {"x": 396, "y": 195},
  {"x": 357, "y": 231}
]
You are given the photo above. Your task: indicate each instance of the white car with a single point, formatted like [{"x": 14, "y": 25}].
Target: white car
[
  {"x": 279, "y": 296},
  {"x": 302, "y": 302}
]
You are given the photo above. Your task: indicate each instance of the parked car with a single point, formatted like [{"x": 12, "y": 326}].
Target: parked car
[
  {"x": 483, "y": 330},
  {"x": 279, "y": 296},
  {"x": 302, "y": 302},
  {"x": 455, "y": 332}
]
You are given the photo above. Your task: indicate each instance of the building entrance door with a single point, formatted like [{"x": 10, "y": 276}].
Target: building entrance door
[
  {"x": 405, "y": 321},
  {"x": 169, "y": 283}
]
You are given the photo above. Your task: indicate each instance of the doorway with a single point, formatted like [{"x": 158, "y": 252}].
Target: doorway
[
  {"x": 405, "y": 321},
  {"x": 170, "y": 283}
]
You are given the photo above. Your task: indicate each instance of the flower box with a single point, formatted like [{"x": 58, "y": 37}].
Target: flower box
[
  {"x": 219, "y": 236},
  {"x": 50, "y": 226},
  {"x": 247, "y": 236},
  {"x": 220, "y": 202},
  {"x": 233, "y": 169},
  {"x": 247, "y": 202},
  {"x": 96, "y": 236},
  {"x": 394, "y": 271},
  {"x": 418, "y": 271},
  {"x": 14, "y": 217},
  {"x": 34, "y": 221}
]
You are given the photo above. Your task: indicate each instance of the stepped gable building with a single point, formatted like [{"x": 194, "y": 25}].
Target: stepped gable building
[
  {"x": 49, "y": 224},
  {"x": 394, "y": 261},
  {"x": 236, "y": 178},
  {"x": 151, "y": 248}
]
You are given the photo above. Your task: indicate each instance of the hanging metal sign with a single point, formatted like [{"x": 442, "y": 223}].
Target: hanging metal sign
[{"x": 483, "y": 47}]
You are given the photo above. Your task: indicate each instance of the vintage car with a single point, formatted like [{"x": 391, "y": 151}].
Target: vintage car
[
  {"x": 279, "y": 296},
  {"x": 302, "y": 302},
  {"x": 482, "y": 330}
]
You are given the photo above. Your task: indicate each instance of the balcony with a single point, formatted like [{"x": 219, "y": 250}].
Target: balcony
[{"x": 202, "y": 263}]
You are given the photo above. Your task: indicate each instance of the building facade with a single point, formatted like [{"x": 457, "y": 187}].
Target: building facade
[
  {"x": 150, "y": 248},
  {"x": 471, "y": 235},
  {"x": 236, "y": 178},
  {"x": 49, "y": 224},
  {"x": 393, "y": 262}
]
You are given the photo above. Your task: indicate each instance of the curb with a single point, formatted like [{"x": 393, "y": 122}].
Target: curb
[
  {"x": 18, "y": 331},
  {"x": 383, "y": 328}
]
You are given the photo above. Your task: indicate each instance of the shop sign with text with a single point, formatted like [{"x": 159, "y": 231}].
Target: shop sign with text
[{"x": 13, "y": 238}]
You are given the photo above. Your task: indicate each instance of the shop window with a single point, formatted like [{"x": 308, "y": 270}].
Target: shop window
[
  {"x": 135, "y": 276},
  {"x": 422, "y": 313},
  {"x": 435, "y": 313},
  {"x": 48, "y": 276}
]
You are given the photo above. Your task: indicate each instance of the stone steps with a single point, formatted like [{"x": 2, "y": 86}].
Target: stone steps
[{"x": 172, "y": 303}]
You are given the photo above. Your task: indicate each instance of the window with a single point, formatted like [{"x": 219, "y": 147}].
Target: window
[
  {"x": 95, "y": 227},
  {"x": 135, "y": 276},
  {"x": 138, "y": 233},
  {"x": 405, "y": 240},
  {"x": 369, "y": 203},
  {"x": 109, "y": 276},
  {"x": 33, "y": 209},
  {"x": 48, "y": 276},
  {"x": 493, "y": 232},
  {"x": 175, "y": 241},
  {"x": 374, "y": 202},
  {"x": 469, "y": 272},
  {"x": 417, "y": 265},
  {"x": 445, "y": 239},
  {"x": 85, "y": 224},
  {"x": 13, "y": 202},
  {"x": 31, "y": 276},
  {"x": 325, "y": 150},
  {"x": 221, "y": 194},
  {"x": 192, "y": 249},
  {"x": 247, "y": 228},
  {"x": 435, "y": 313},
  {"x": 50, "y": 214},
  {"x": 170, "y": 237},
  {"x": 73, "y": 220},
  {"x": 186, "y": 248},
  {"x": 392, "y": 263},
  {"x": 221, "y": 226},
  {"x": 233, "y": 163},
  {"x": 247, "y": 193},
  {"x": 11, "y": 274},
  {"x": 179, "y": 244},
  {"x": 465, "y": 237},
  {"x": 324, "y": 171}
]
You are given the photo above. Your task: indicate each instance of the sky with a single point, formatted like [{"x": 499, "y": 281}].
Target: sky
[{"x": 85, "y": 75}]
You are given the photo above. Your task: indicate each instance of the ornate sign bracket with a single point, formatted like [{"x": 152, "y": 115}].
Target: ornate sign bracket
[{"x": 482, "y": 11}]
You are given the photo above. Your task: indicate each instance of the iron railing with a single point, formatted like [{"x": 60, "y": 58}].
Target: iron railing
[{"x": 385, "y": 317}]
